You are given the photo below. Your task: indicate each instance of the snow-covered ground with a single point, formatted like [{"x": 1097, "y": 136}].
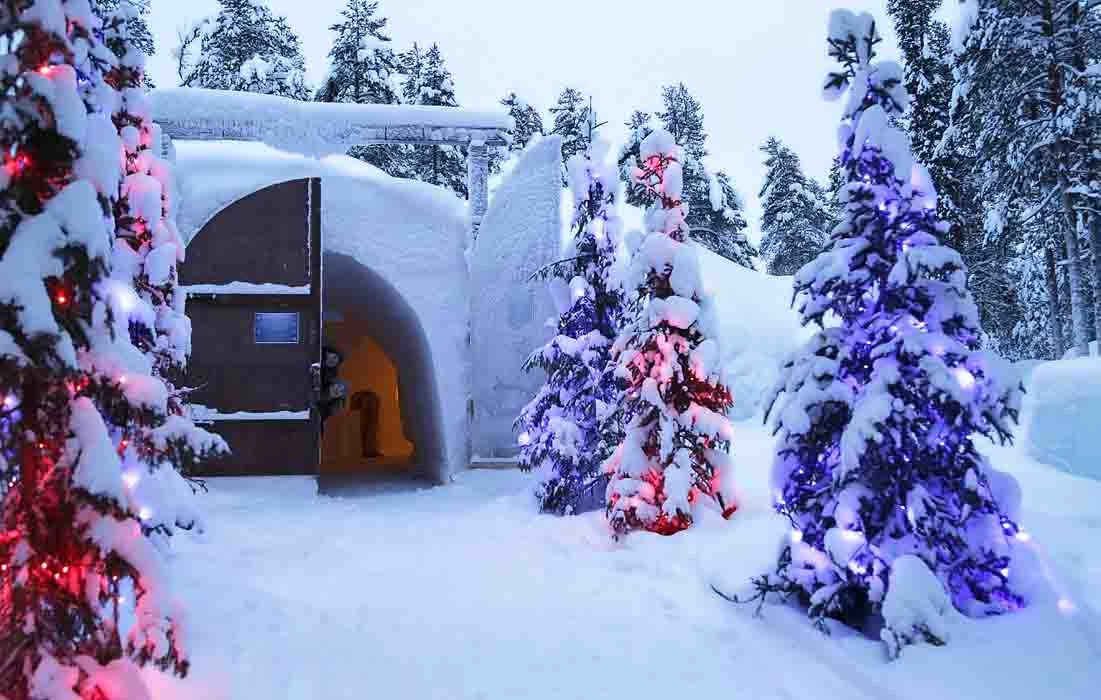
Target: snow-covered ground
[{"x": 464, "y": 591}]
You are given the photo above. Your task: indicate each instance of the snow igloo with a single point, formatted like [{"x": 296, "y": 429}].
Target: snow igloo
[{"x": 345, "y": 322}]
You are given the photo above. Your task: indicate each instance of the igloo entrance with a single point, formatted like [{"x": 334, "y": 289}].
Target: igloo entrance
[{"x": 388, "y": 422}]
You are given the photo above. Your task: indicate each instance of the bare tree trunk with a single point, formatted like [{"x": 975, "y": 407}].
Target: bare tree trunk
[
  {"x": 1054, "y": 318},
  {"x": 1079, "y": 326},
  {"x": 1095, "y": 252}
]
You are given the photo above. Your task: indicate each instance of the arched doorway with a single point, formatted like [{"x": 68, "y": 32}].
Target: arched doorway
[{"x": 390, "y": 421}]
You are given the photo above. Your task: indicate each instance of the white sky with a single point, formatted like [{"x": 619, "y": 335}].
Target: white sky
[{"x": 755, "y": 65}]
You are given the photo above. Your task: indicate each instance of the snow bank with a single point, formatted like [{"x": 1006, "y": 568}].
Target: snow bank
[
  {"x": 1062, "y": 415},
  {"x": 757, "y": 327}
]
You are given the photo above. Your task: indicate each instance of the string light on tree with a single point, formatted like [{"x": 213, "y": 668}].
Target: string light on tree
[
  {"x": 674, "y": 456},
  {"x": 570, "y": 426},
  {"x": 876, "y": 414}
]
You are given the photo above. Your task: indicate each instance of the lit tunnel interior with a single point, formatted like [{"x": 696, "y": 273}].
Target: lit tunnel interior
[{"x": 385, "y": 353}]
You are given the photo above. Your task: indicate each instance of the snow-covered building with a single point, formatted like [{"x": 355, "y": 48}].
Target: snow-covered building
[{"x": 292, "y": 246}]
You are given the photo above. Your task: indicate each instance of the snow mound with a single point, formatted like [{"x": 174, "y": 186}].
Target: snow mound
[
  {"x": 1062, "y": 415},
  {"x": 757, "y": 327},
  {"x": 916, "y": 609}
]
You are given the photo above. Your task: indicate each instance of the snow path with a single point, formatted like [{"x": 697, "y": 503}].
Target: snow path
[{"x": 463, "y": 592}]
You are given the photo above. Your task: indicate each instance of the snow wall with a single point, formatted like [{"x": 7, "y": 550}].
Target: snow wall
[
  {"x": 410, "y": 234},
  {"x": 519, "y": 235},
  {"x": 1062, "y": 415}
]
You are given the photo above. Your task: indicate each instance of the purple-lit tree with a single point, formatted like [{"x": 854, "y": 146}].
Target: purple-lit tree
[
  {"x": 673, "y": 459},
  {"x": 877, "y": 414},
  {"x": 569, "y": 429}
]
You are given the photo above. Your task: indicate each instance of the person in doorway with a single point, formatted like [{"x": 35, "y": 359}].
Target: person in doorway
[
  {"x": 368, "y": 405},
  {"x": 331, "y": 390}
]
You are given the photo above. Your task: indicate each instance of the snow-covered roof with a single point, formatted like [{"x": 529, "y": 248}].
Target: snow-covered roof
[
  {"x": 318, "y": 128},
  {"x": 211, "y": 175}
]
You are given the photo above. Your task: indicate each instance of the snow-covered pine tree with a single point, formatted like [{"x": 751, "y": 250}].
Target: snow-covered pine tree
[
  {"x": 144, "y": 264},
  {"x": 567, "y": 431},
  {"x": 411, "y": 65},
  {"x": 639, "y": 126},
  {"x": 140, "y": 35},
  {"x": 245, "y": 47},
  {"x": 429, "y": 82},
  {"x": 876, "y": 415},
  {"x": 719, "y": 224},
  {"x": 795, "y": 219},
  {"x": 683, "y": 118},
  {"x": 1022, "y": 96},
  {"x": 528, "y": 122},
  {"x": 571, "y": 121},
  {"x": 926, "y": 45},
  {"x": 73, "y": 389},
  {"x": 715, "y": 217},
  {"x": 363, "y": 69},
  {"x": 674, "y": 458}
]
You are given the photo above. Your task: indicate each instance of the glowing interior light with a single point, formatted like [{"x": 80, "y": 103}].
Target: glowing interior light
[
  {"x": 144, "y": 513},
  {"x": 1065, "y": 605},
  {"x": 857, "y": 568},
  {"x": 131, "y": 478},
  {"x": 796, "y": 536},
  {"x": 524, "y": 439},
  {"x": 1005, "y": 572},
  {"x": 1023, "y": 536}
]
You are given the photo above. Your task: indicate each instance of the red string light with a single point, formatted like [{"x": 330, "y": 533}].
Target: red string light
[{"x": 15, "y": 166}]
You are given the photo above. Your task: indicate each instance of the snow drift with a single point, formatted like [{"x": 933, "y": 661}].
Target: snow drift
[{"x": 1062, "y": 421}]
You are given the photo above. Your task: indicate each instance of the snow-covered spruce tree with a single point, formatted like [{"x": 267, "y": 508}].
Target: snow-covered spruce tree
[
  {"x": 876, "y": 461},
  {"x": 140, "y": 35},
  {"x": 566, "y": 432},
  {"x": 674, "y": 457},
  {"x": 795, "y": 218},
  {"x": 528, "y": 122},
  {"x": 363, "y": 69},
  {"x": 144, "y": 264},
  {"x": 245, "y": 47},
  {"x": 571, "y": 121},
  {"x": 1022, "y": 96},
  {"x": 74, "y": 390},
  {"x": 949, "y": 155},
  {"x": 716, "y": 217},
  {"x": 639, "y": 126},
  {"x": 429, "y": 82}
]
